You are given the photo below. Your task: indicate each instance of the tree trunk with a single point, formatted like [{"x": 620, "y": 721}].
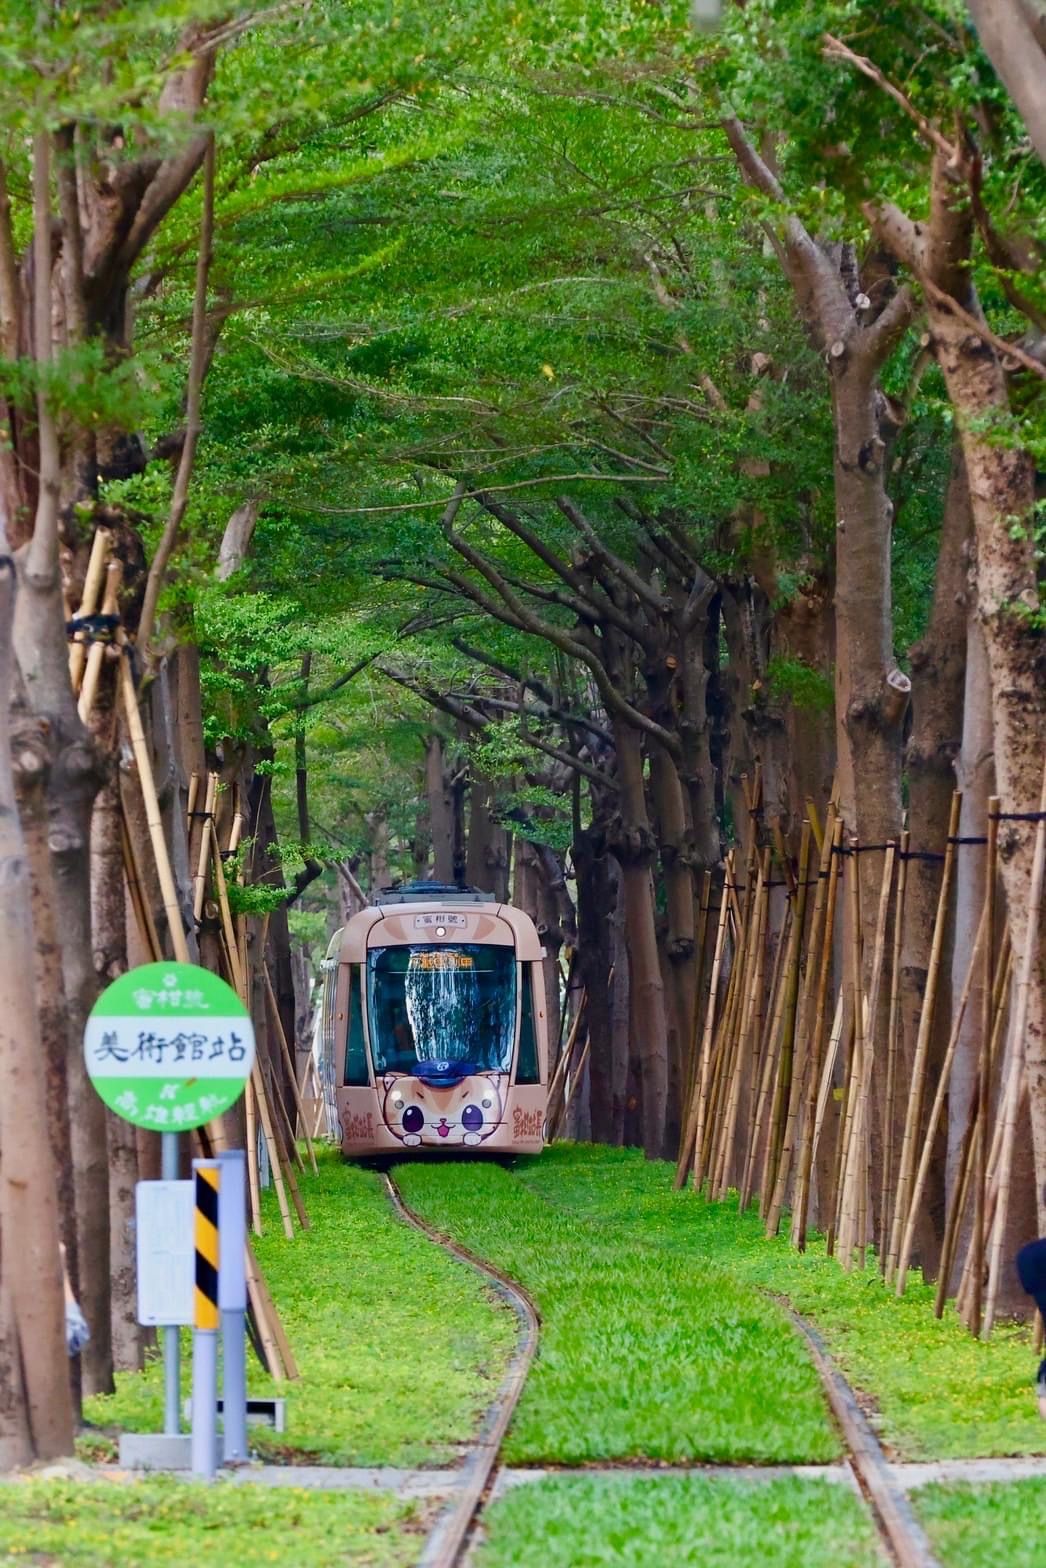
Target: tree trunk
[
  {"x": 938, "y": 665},
  {"x": 109, "y": 930},
  {"x": 1001, "y": 480},
  {"x": 36, "y": 1416},
  {"x": 594, "y": 905},
  {"x": 975, "y": 777},
  {"x": 620, "y": 1013},
  {"x": 632, "y": 844},
  {"x": 441, "y": 815}
]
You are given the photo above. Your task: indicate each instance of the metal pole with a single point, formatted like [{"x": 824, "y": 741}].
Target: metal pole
[
  {"x": 171, "y": 1352},
  {"x": 232, "y": 1299},
  {"x": 207, "y": 1176}
]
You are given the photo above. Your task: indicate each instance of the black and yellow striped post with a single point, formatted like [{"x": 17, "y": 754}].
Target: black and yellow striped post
[{"x": 206, "y": 1318}]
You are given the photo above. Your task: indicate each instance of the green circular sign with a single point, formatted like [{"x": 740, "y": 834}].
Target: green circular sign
[{"x": 169, "y": 1046}]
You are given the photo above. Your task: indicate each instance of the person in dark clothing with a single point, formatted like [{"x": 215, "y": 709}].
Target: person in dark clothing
[{"x": 1031, "y": 1271}]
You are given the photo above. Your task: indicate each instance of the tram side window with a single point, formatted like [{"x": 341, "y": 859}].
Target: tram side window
[
  {"x": 527, "y": 1070},
  {"x": 356, "y": 1073}
]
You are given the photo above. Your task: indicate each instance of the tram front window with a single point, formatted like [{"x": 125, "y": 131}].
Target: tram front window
[{"x": 432, "y": 1003}]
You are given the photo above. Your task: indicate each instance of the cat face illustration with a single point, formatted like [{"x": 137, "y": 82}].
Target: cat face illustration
[{"x": 439, "y": 1117}]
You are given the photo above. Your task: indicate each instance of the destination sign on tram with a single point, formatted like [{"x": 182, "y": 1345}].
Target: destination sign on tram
[{"x": 169, "y": 1046}]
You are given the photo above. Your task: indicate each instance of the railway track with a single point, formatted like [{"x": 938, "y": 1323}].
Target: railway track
[
  {"x": 449, "y": 1541},
  {"x": 902, "y": 1537}
]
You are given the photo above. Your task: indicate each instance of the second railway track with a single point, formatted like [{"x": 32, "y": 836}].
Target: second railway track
[{"x": 900, "y": 1534}]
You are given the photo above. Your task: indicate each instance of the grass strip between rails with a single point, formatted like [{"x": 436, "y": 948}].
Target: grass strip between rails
[
  {"x": 645, "y": 1352},
  {"x": 169, "y": 1523},
  {"x": 938, "y": 1392},
  {"x": 986, "y": 1526},
  {"x": 677, "y": 1522},
  {"x": 401, "y": 1349}
]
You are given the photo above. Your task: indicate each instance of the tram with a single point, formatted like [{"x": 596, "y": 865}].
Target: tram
[{"x": 433, "y": 1034}]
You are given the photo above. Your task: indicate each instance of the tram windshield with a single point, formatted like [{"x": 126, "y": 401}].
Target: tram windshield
[{"x": 431, "y": 1003}]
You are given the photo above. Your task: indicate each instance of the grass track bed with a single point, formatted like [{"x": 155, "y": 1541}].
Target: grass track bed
[
  {"x": 677, "y": 1522},
  {"x": 401, "y": 1349},
  {"x": 644, "y": 1352},
  {"x": 986, "y": 1526},
  {"x": 167, "y": 1524},
  {"x": 940, "y": 1393}
]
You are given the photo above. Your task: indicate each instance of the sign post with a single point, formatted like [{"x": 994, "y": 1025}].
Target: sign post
[
  {"x": 170, "y": 1047},
  {"x": 207, "y": 1176},
  {"x": 232, "y": 1302}
]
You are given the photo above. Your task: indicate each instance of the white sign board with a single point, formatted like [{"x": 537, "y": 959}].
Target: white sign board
[{"x": 164, "y": 1217}]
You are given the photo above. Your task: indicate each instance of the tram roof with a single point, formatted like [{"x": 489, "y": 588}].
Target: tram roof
[{"x": 432, "y": 892}]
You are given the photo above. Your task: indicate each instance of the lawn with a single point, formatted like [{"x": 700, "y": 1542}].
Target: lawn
[
  {"x": 678, "y": 1522},
  {"x": 985, "y": 1526},
  {"x": 645, "y": 1355},
  {"x": 646, "y": 1351},
  {"x": 168, "y": 1523},
  {"x": 400, "y": 1348}
]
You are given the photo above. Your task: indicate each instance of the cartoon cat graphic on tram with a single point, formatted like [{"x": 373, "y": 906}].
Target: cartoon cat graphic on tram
[{"x": 440, "y": 1115}]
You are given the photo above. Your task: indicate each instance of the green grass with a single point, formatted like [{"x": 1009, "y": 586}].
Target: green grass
[
  {"x": 167, "y": 1523},
  {"x": 940, "y": 1393},
  {"x": 654, "y": 1332},
  {"x": 646, "y": 1351},
  {"x": 400, "y": 1348},
  {"x": 985, "y": 1526},
  {"x": 678, "y": 1522}
]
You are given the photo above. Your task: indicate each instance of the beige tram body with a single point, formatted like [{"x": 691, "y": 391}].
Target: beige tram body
[{"x": 433, "y": 1035}]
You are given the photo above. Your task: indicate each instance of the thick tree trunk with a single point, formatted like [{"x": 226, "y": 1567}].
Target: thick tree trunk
[
  {"x": 109, "y": 930},
  {"x": 1001, "y": 480},
  {"x": 677, "y": 867},
  {"x": 441, "y": 813},
  {"x": 620, "y": 1013},
  {"x": 73, "y": 779},
  {"x": 486, "y": 865},
  {"x": 938, "y": 666},
  {"x": 975, "y": 777},
  {"x": 632, "y": 844},
  {"x": 594, "y": 905},
  {"x": 36, "y": 1416}
]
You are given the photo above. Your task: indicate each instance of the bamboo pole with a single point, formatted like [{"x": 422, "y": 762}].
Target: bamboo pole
[
  {"x": 913, "y": 1118},
  {"x": 1020, "y": 1024},
  {"x": 288, "y": 1062},
  {"x": 239, "y": 975},
  {"x": 767, "y": 1060},
  {"x": 190, "y": 804},
  {"x": 695, "y": 1128},
  {"x": 860, "y": 1144},
  {"x": 725, "y": 1060},
  {"x": 799, "y": 1071},
  {"x": 983, "y": 1070},
  {"x": 749, "y": 1023},
  {"x": 831, "y": 1054},
  {"x": 908, "y": 1238},
  {"x": 801, "y": 1202},
  {"x": 200, "y": 877},
  {"x": 153, "y": 817},
  {"x": 98, "y": 649},
  {"x": 253, "y": 1176},
  {"x": 263, "y": 1319},
  {"x": 886, "y": 1190},
  {"x": 270, "y": 1143},
  {"x": 848, "y": 1165},
  {"x": 712, "y": 1037},
  {"x": 783, "y": 1085},
  {"x": 100, "y": 546},
  {"x": 967, "y": 1154},
  {"x": 139, "y": 902}
]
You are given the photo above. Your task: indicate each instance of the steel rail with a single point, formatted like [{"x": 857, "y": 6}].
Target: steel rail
[
  {"x": 449, "y": 1540},
  {"x": 904, "y": 1536}
]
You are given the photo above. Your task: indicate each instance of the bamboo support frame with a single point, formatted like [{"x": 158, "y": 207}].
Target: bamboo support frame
[
  {"x": 913, "y": 1118},
  {"x": 983, "y": 1068},
  {"x": 100, "y": 546},
  {"x": 908, "y": 1239},
  {"x": 887, "y": 1190},
  {"x": 1020, "y": 1023}
]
